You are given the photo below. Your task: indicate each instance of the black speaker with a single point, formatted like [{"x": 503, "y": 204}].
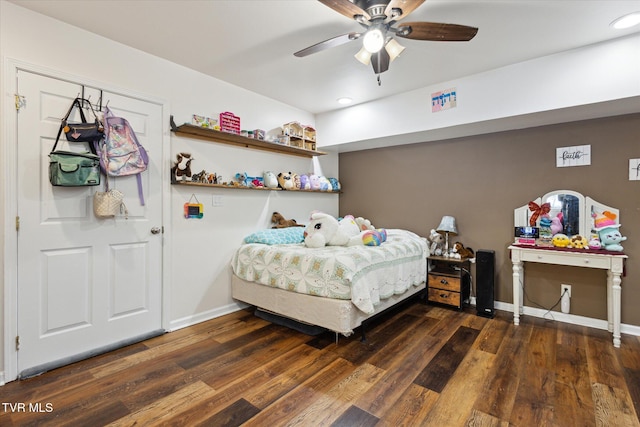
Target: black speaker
[{"x": 485, "y": 278}]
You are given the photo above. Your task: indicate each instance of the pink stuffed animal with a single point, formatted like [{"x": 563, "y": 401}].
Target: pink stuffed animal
[{"x": 556, "y": 225}]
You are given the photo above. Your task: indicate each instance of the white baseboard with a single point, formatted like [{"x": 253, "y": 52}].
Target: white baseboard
[
  {"x": 566, "y": 318},
  {"x": 174, "y": 325}
]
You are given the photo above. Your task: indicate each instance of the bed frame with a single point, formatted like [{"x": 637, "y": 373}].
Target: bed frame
[{"x": 340, "y": 316}]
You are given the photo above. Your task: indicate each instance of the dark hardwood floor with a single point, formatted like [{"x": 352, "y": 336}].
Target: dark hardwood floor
[{"x": 421, "y": 366}]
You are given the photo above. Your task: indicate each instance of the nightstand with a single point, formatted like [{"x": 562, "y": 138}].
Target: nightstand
[{"x": 448, "y": 281}]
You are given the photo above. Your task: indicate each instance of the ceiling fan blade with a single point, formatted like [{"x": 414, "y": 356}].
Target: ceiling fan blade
[
  {"x": 380, "y": 61},
  {"x": 407, "y": 6},
  {"x": 332, "y": 42},
  {"x": 345, "y": 7},
  {"x": 436, "y": 31}
]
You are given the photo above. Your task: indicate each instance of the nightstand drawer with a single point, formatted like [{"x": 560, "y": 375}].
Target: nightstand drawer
[
  {"x": 444, "y": 297},
  {"x": 444, "y": 282}
]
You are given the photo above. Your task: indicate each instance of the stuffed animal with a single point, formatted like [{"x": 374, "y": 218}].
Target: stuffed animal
[
  {"x": 325, "y": 230},
  {"x": 556, "y": 225},
  {"x": 364, "y": 224},
  {"x": 304, "y": 182},
  {"x": 610, "y": 238},
  {"x": 295, "y": 178},
  {"x": 270, "y": 180},
  {"x": 325, "y": 185},
  {"x": 242, "y": 178},
  {"x": 578, "y": 242},
  {"x": 200, "y": 177},
  {"x": 257, "y": 182},
  {"x": 560, "y": 240},
  {"x": 181, "y": 170},
  {"x": 335, "y": 184},
  {"x": 284, "y": 181},
  {"x": 314, "y": 182},
  {"x": 281, "y": 222},
  {"x": 459, "y": 249},
  {"x": 607, "y": 228},
  {"x": 594, "y": 243},
  {"x": 436, "y": 243}
]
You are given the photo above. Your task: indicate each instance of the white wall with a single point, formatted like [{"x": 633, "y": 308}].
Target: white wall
[
  {"x": 593, "y": 81},
  {"x": 201, "y": 249}
]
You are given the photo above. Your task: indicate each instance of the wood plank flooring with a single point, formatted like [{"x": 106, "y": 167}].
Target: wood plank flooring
[{"x": 420, "y": 366}]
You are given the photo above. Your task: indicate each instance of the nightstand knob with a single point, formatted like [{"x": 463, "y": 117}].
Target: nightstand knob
[{"x": 444, "y": 282}]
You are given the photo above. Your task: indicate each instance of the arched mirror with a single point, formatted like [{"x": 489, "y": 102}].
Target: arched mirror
[
  {"x": 569, "y": 210},
  {"x": 565, "y": 209}
]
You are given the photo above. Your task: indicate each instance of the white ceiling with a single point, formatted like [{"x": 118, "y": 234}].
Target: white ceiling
[{"x": 250, "y": 43}]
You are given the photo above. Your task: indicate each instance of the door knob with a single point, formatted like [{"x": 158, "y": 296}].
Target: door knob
[{"x": 156, "y": 230}]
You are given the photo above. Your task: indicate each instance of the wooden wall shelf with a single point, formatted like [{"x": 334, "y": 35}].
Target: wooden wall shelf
[
  {"x": 194, "y": 131},
  {"x": 239, "y": 187}
]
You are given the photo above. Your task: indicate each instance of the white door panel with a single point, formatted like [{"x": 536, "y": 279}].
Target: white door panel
[{"x": 83, "y": 283}]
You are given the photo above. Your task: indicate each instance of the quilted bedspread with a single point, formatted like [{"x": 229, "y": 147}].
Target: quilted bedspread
[{"x": 363, "y": 274}]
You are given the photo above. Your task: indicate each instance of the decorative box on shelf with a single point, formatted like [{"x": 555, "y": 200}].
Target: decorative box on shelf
[{"x": 229, "y": 123}]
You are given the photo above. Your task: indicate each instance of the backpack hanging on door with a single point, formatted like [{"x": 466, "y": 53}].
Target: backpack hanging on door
[{"x": 120, "y": 152}]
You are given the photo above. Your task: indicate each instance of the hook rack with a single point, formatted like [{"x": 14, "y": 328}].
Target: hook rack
[{"x": 97, "y": 106}]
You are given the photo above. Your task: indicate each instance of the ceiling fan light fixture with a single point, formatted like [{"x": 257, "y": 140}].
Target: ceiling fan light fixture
[
  {"x": 626, "y": 21},
  {"x": 373, "y": 40},
  {"x": 364, "y": 56},
  {"x": 394, "y": 49}
]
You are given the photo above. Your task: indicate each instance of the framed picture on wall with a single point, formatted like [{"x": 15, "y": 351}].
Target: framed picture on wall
[{"x": 579, "y": 155}]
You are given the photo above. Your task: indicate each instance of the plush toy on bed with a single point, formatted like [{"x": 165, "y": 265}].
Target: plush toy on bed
[
  {"x": 325, "y": 230},
  {"x": 281, "y": 222}
]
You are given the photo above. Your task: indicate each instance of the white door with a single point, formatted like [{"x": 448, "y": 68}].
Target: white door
[{"x": 84, "y": 284}]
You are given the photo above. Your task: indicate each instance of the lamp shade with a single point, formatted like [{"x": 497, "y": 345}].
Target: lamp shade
[{"x": 447, "y": 225}]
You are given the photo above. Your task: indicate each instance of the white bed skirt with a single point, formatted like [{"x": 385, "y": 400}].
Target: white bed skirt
[{"x": 340, "y": 316}]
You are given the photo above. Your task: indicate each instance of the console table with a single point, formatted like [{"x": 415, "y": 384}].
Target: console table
[{"x": 614, "y": 265}]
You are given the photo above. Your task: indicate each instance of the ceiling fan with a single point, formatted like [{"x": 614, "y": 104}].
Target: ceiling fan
[{"x": 380, "y": 20}]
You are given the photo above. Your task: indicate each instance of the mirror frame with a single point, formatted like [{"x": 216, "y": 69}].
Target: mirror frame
[{"x": 587, "y": 206}]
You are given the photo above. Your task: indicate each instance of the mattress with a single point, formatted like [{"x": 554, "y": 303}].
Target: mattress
[{"x": 363, "y": 275}]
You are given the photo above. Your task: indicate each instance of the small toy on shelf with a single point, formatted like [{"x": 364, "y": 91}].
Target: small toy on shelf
[
  {"x": 270, "y": 179},
  {"x": 181, "y": 170},
  {"x": 314, "y": 182},
  {"x": 578, "y": 242},
  {"x": 201, "y": 177},
  {"x": 280, "y": 222},
  {"x": 284, "y": 181},
  {"x": 560, "y": 240},
  {"x": 335, "y": 184},
  {"x": 305, "y": 184},
  {"x": 242, "y": 178}
]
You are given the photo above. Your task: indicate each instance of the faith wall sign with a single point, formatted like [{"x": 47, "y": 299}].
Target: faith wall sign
[{"x": 579, "y": 155}]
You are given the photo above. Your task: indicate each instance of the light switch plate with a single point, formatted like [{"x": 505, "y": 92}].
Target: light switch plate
[{"x": 634, "y": 169}]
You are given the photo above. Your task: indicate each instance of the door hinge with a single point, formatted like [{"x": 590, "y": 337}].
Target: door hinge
[
  {"x": 17, "y": 223},
  {"x": 17, "y": 342},
  {"x": 20, "y": 101}
]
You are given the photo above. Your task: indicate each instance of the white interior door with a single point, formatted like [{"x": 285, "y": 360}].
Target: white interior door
[{"x": 84, "y": 284}]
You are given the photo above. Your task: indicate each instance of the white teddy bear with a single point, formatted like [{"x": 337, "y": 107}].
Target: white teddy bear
[{"x": 436, "y": 240}]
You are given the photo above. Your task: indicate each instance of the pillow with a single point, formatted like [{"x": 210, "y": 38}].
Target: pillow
[{"x": 277, "y": 236}]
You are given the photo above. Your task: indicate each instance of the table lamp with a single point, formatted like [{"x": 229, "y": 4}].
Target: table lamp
[{"x": 447, "y": 226}]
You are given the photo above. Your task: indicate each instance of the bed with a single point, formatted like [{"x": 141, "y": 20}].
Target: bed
[{"x": 334, "y": 287}]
